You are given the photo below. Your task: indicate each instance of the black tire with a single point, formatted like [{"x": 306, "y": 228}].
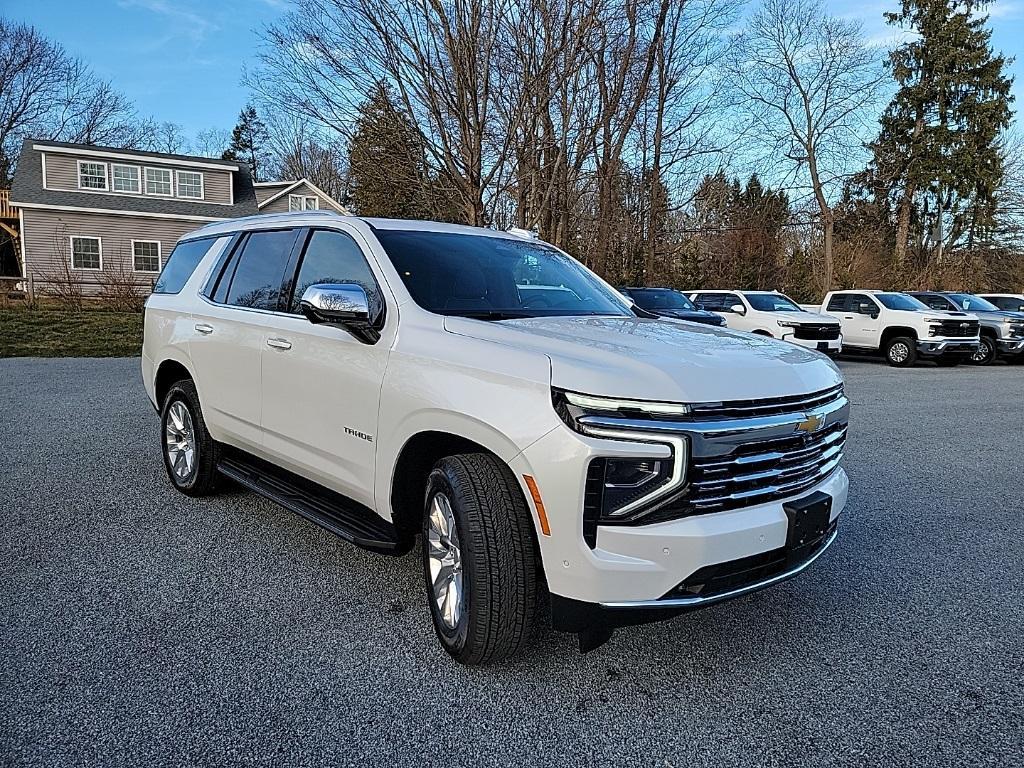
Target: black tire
[
  {"x": 987, "y": 352},
  {"x": 498, "y": 559},
  {"x": 901, "y": 352},
  {"x": 203, "y": 479}
]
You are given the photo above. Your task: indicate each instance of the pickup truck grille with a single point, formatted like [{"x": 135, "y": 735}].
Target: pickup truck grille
[
  {"x": 817, "y": 332},
  {"x": 768, "y": 406},
  {"x": 957, "y": 328}
]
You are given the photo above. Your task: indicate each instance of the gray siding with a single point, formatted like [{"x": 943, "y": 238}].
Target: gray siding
[
  {"x": 62, "y": 174},
  {"x": 281, "y": 204},
  {"x": 46, "y": 238},
  {"x": 262, "y": 193}
]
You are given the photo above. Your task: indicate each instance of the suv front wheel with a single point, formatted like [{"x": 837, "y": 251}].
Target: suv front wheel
[
  {"x": 479, "y": 559},
  {"x": 190, "y": 454}
]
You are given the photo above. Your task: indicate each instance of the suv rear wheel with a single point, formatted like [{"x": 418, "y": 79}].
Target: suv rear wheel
[
  {"x": 901, "y": 352},
  {"x": 190, "y": 454},
  {"x": 479, "y": 559}
]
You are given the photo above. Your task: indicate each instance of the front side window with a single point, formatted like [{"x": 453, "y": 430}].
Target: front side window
[
  {"x": 259, "y": 270},
  {"x": 125, "y": 178},
  {"x": 772, "y": 302},
  {"x": 146, "y": 255},
  {"x": 334, "y": 257},
  {"x": 181, "y": 264},
  {"x": 900, "y": 301},
  {"x": 190, "y": 184},
  {"x": 86, "y": 253},
  {"x": 158, "y": 181},
  {"x": 92, "y": 175},
  {"x": 495, "y": 278}
]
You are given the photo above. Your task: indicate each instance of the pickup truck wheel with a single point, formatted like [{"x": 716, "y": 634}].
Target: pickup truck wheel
[
  {"x": 479, "y": 559},
  {"x": 190, "y": 454},
  {"x": 986, "y": 351},
  {"x": 901, "y": 352}
]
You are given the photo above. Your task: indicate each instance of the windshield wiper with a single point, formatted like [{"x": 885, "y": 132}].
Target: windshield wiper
[{"x": 488, "y": 314}]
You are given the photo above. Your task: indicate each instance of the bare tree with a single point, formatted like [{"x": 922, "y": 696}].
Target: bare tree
[
  {"x": 298, "y": 151},
  {"x": 212, "y": 142},
  {"x": 46, "y": 93},
  {"x": 164, "y": 137},
  {"x": 810, "y": 84}
]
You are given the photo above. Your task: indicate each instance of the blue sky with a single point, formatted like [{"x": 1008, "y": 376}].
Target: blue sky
[{"x": 182, "y": 60}]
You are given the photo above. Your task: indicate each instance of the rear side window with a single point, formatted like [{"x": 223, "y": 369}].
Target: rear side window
[
  {"x": 181, "y": 264},
  {"x": 259, "y": 269},
  {"x": 840, "y": 302}
]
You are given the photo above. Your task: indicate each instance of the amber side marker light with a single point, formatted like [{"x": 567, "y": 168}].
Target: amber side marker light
[{"x": 532, "y": 485}]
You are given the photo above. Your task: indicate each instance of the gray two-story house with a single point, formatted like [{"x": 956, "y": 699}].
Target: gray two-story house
[{"x": 90, "y": 214}]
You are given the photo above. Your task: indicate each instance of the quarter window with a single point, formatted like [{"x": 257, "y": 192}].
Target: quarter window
[
  {"x": 158, "y": 181},
  {"x": 146, "y": 255},
  {"x": 303, "y": 203},
  {"x": 125, "y": 178},
  {"x": 190, "y": 184},
  {"x": 86, "y": 253},
  {"x": 259, "y": 270},
  {"x": 92, "y": 175},
  {"x": 334, "y": 257},
  {"x": 181, "y": 264}
]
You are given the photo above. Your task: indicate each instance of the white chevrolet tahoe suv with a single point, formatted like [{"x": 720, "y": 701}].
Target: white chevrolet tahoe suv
[
  {"x": 486, "y": 393},
  {"x": 902, "y": 328},
  {"x": 769, "y": 313}
]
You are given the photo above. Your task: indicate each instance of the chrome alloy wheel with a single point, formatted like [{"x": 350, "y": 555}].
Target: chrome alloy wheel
[
  {"x": 899, "y": 353},
  {"x": 181, "y": 440},
  {"x": 984, "y": 350},
  {"x": 445, "y": 561}
]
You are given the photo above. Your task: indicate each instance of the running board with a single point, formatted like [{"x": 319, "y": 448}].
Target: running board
[{"x": 339, "y": 514}]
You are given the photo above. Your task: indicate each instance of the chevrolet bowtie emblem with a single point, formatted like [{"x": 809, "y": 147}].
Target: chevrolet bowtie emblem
[{"x": 811, "y": 424}]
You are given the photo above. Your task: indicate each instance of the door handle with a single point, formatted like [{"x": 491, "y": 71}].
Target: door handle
[
  {"x": 204, "y": 328},
  {"x": 279, "y": 343}
]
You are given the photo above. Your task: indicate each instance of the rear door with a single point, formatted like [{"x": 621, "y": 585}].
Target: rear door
[
  {"x": 230, "y": 323},
  {"x": 321, "y": 385}
]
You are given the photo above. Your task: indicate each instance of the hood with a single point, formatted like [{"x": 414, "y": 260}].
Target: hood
[
  {"x": 659, "y": 359},
  {"x": 696, "y": 315},
  {"x": 805, "y": 317}
]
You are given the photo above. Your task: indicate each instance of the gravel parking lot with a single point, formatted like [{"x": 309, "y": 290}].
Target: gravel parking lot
[{"x": 140, "y": 627}]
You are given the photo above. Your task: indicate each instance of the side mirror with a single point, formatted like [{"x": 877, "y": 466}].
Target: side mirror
[
  {"x": 739, "y": 309},
  {"x": 865, "y": 308},
  {"x": 342, "y": 304}
]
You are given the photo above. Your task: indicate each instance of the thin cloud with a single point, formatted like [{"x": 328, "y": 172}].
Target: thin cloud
[{"x": 192, "y": 23}]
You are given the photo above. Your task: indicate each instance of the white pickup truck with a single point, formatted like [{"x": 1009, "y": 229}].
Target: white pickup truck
[{"x": 902, "y": 328}]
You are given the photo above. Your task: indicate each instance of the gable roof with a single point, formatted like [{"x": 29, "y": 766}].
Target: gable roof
[
  {"x": 27, "y": 189},
  {"x": 293, "y": 185}
]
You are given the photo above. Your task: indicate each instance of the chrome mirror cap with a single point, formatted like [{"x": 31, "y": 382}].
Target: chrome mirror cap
[{"x": 335, "y": 303}]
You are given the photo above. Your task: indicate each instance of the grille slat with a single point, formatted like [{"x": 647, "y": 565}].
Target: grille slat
[
  {"x": 958, "y": 328},
  {"x": 819, "y": 332},
  {"x": 766, "y": 407}
]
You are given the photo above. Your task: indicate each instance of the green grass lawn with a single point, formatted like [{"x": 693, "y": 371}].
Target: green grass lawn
[{"x": 64, "y": 333}]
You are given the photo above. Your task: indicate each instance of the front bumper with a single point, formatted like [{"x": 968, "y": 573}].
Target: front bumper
[
  {"x": 1010, "y": 346},
  {"x": 929, "y": 347}
]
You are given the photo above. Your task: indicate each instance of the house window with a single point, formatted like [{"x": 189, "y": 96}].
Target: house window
[
  {"x": 190, "y": 184},
  {"x": 86, "y": 253},
  {"x": 158, "y": 181},
  {"x": 303, "y": 203},
  {"x": 146, "y": 255},
  {"x": 125, "y": 178},
  {"x": 92, "y": 175}
]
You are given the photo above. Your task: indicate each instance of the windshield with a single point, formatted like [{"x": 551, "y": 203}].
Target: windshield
[
  {"x": 771, "y": 302},
  {"x": 969, "y": 303},
  {"x": 495, "y": 278},
  {"x": 655, "y": 299},
  {"x": 900, "y": 301}
]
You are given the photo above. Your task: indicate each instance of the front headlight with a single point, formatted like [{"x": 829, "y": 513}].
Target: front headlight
[
  {"x": 580, "y": 403},
  {"x": 934, "y": 319},
  {"x": 787, "y": 323}
]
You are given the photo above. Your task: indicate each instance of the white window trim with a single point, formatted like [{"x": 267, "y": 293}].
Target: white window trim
[
  {"x": 145, "y": 181},
  {"x": 71, "y": 252},
  {"x": 303, "y": 198},
  {"x": 138, "y": 178},
  {"x": 107, "y": 155},
  {"x": 202, "y": 185},
  {"x": 106, "y": 176},
  {"x": 159, "y": 258}
]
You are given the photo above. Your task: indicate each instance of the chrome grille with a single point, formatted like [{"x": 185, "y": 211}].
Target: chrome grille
[
  {"x": 768, "y": 406},
  {"x": 765, "y": 470}
]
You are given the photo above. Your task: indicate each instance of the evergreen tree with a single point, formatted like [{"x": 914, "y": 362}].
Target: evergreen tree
[
  {"x": 249, "y": 142},
  {"x": 937, "y": 156},
  {"x": 388, "y": 172}
]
